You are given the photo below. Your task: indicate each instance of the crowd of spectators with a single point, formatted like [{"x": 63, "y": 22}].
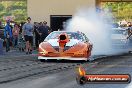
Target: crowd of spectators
[{"x": 32, "y": 34}]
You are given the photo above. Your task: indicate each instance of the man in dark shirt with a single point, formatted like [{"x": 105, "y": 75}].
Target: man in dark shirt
[
  {"x": 43, "y": 30},
  {"x": 37, "y": 36}
]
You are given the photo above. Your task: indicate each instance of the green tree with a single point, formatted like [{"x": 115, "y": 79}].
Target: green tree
[
  {"x": 120, "y": 10},
  {"x": 18, "y": 9},
  {"x": 1, "y": 7}
]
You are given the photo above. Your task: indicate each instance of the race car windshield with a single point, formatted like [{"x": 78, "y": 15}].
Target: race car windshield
[{"x": 71, "y": 35}]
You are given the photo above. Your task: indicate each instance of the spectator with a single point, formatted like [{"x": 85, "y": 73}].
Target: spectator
[
  {"x": 37, "y": 36},
  {"x": 129, "y": 30},
  {"x": 130, "y": 34},
  {"x": 15, "y": 31},
  {"x": 28, "y": 35},
  {"x": 43, "y": 30},
  {"x": 47, "y": 27},
  {"x": 8, "y": 35},
  {"x": 21, "y": 25}
]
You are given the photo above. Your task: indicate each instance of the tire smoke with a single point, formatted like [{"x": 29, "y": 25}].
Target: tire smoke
[{"x": 97, "y": 28}]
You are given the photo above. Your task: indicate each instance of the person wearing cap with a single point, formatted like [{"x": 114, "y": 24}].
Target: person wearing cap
[
  {"x": 8, "y": 35},
  {"x": 28, "y": 35}
]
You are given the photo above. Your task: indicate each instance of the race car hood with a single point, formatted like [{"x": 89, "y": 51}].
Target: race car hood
[{"x": 54, "y": 42}]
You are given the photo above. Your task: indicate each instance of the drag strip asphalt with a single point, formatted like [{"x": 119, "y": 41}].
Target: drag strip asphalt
[{"x": 28, "y": 72}]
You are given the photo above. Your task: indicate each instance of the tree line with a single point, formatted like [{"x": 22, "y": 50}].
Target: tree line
[
  {"x": 120, "y": 10},
  {"x": 18, "y": 9}
]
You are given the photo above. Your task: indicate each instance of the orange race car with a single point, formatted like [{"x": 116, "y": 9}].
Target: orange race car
[{"x": 62, "y": 45}]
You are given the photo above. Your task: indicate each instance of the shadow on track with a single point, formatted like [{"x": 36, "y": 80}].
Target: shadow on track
[{"x": 64, "y": 61}]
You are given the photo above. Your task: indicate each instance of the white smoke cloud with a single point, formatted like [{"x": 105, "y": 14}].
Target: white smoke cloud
[{"x": 96, "y": 28}]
